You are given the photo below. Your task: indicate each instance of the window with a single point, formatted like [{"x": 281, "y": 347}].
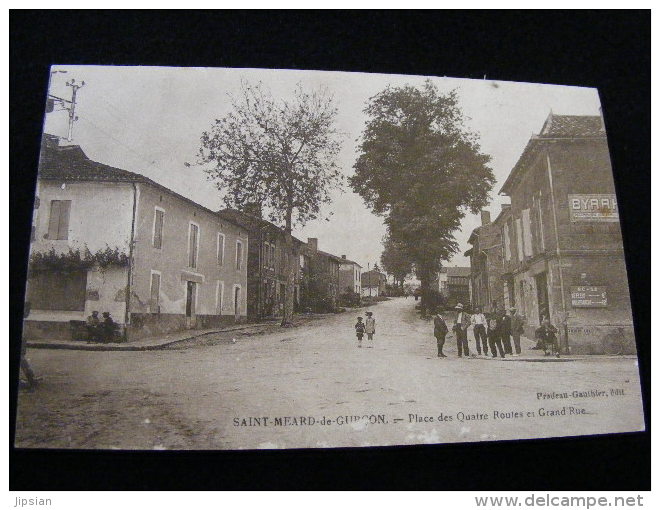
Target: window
[
  {"x": 159, "y": 214},
  {"x": 154, "y": 304},
  {"x": 193, "y": 245},
  {"x": 519, "y": 239},
  {"x": 507, "y": 242},
  {"x": 239, "y": 255},
  {"x": 58, "y": 226},
  {"x": 221, "y": 249},
  {"x": 540, "y": 216},
  {"x": 272, "y": 255},
  {"x": 237, "y": 300}
]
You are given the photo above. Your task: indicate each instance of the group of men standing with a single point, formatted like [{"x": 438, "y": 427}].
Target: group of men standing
[{"x": 492, "y": 332}]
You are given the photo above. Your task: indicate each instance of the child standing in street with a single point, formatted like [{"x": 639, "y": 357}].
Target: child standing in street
[
  {"x": 370, "y": 329},
  {"x": 359, "y": 330}
]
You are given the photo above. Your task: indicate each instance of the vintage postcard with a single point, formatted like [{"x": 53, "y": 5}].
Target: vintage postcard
[{"x": 249, "y": 259}]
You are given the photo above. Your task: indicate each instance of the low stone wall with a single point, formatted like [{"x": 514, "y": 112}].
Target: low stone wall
[
  {"x": 608, "y": 339},
  {"x": 595, "y": 339},
  {"x": 47, "y": 330},
  {"x": 154, "y": 324}
]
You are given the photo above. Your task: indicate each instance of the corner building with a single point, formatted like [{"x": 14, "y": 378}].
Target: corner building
[{"x": 563, "y": 250}]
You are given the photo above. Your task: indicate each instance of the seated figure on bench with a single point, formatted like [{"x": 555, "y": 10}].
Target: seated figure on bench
[{"x": 93, "y": 327}]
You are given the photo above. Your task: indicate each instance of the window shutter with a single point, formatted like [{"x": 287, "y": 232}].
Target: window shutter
[
  {"x": 193, "y": 246},
  {"x": 54, "y": 221},
  {"x": 63, "y": 230},
  {"x": 158, "y": 230}
]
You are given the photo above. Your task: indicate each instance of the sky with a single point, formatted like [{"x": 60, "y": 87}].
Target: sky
[{"x": 149, "y": 120}]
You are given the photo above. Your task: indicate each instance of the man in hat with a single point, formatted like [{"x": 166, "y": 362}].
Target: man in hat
[
  {"x": 93, "y": 326},
  {"x": 440, "y": 330},
  {"x": 479, "y": 331},
  {"x": 517, "y": 328},
  {"x": 505, "y": 331},
  {"x": 109, "y": 328},
  {"x": 460, "y": 327}
]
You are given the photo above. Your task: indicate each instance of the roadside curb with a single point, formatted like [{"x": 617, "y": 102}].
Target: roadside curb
[{"x": 81, "y": 346}]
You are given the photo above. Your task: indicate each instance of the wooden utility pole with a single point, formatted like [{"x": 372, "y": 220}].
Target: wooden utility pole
[{"x": 72, "y": 108}]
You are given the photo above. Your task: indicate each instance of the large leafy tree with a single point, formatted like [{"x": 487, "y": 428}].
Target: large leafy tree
[
  {"x": 396, "y": 261},
  {"x": 421, "y": 168},
  {"x": 279, "y": 154}
]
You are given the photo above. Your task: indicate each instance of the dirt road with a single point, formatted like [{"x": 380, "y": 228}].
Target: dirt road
[{"x": 312, "y": 387}]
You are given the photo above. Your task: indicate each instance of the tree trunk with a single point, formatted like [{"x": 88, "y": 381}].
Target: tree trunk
[
  {"x": 287, "y": 315},
  {"x": 425, "y": 286}
]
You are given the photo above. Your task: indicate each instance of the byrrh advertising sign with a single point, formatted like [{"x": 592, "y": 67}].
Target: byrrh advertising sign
[{"x": 593, "y": 207}]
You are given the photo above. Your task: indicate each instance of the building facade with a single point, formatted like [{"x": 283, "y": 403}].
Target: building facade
[
  {"x": 458, "y": 286},
  {"x": 487, "y": 262},
  {"x": 320, "y": 278},
  {"x": 373, "y": 283},
  {"x": 563, "y": 250},
  {"x": 114, "y": 241},
  {"x": 350, "y": 276},
  {"x": 268, "y": 264}
]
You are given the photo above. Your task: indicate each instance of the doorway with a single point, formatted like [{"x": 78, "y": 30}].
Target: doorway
[
  {"x": 237, "y": 303},
  {"x": 541, "y": 281},
  {"x": 191, "y": 288}
]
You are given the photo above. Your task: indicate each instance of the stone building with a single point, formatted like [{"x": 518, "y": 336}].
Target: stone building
[
  {"x": 320, "y": 278},
  {"x": 487, "y": 261},
  {"x": 350, "y": 276},
  {"x": 267, "y": 266},
  {"x": 563, "y": 251},
  {"x": 458, "y": 285},
  {"x": 115, "y": 241},
  {"x": 373, "y": 283}
]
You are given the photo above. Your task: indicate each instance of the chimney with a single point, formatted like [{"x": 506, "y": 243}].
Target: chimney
[
  {"x": 485, "y": 217},
  {"x": 313, "y": 243},
  {"x": 344, "y": 257}
]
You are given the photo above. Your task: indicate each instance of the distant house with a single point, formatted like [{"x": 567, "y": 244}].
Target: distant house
[
  {"x": 268, "y": 261},
  {"x": 453, "y": 283},
  {"x": 320, "y": 280},
  {"x": 350, "y": 276},
  {"x": 115, "y": 241},
  {"x": 373, "y": 283}
]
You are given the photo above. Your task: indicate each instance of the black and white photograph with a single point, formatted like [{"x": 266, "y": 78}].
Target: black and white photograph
[{"x": 241, "y": 259}]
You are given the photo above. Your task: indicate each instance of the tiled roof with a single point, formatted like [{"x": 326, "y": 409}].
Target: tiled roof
[
  {"x": 348, "y": 261},
  {"x": 72, "y": 164},
  {"x": 576, "y": 127},
  {"x": 458, "y": 271},
  {"x": 330, "y": 255},
  {"x": 559, "y": 126},
  {"x": 251, "y": 221}
]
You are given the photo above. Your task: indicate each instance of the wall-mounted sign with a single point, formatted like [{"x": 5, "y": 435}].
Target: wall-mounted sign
[
  {"x": 589, "y": 296},
  {"x": 593, "y": 207}
]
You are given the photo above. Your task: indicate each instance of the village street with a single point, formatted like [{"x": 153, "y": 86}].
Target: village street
[{"x": 207, "y": 396}]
